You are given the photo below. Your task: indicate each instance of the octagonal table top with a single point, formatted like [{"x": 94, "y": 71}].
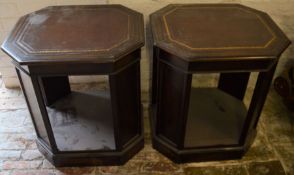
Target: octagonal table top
[
  {"x": 61, "y": 34},
  {"x": 197, "y": 32}
]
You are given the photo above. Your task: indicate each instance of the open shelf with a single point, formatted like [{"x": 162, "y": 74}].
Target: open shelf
[
  {"x": 215, "y": 118},
  {"x": 83, "y": 121}
]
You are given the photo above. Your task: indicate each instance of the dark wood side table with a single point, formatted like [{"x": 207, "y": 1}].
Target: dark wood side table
[
  {"x": 196, "y": 124},
  {"x": 81, "y": 128}
]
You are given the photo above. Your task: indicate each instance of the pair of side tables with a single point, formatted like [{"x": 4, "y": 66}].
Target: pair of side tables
[{"x": 105, "y": 127}]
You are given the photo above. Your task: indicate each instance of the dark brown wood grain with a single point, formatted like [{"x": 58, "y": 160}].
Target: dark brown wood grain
[
  {"x": 126, "y": 98},
  {"x": 196, "y": 124},
  {"x": 171, "y": 103},
  {"x": 81, "y": 34},
  {"x": 54, "y": 88},
  {"x": 217, "y": 32},
  {"x": 81, "y": 128},
  {"x": 239, "y": 80}
]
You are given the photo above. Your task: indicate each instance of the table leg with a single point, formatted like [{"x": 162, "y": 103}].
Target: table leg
[
  {"x": 154, "y": 75},
  {"x": 54, "y": 88},
  {"x": 172, "y": 104},
  {"x": 234, "y": 83},
  {"x": 32, "y": 94},
  {"x": 126, "y": 104},
  {"x": 258, "y": 99}
]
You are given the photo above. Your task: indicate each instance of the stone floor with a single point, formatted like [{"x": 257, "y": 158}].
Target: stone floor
[{"x": 271, "y": 154}]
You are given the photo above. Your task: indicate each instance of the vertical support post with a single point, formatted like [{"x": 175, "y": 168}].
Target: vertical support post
[
  {"x": 154, "y": 75},
  {"x": 172, "y": 104},
  {"x": 258, "y": 99},
  {"x": 54, "y": 88},
  {"x": 126, "y": 104},
  {"x": 234, "y": 84},
  {"x": 32, "y": 93}
]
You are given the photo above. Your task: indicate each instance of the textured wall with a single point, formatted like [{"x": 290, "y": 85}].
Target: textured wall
[{"x": 280, "y": 10}]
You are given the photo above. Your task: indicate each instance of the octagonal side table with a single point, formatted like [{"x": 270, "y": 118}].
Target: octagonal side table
[
  {"x": 81, "y": 128},
  {"x": 196, "y": 124}
]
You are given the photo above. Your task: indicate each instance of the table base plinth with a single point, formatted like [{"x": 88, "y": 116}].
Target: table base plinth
[
  {"x": 208, "y": 153},
  {"x": 80, "y": 158}
]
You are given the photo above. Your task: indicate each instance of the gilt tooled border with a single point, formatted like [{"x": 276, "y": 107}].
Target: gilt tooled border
[
  {"x": 219, "y": 48},
  {"x": 32, "y": 51}
]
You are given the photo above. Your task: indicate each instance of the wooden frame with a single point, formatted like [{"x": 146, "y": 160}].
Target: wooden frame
[
  {"x": 190, "y": 124},
  {"x": 129, "y": 140},
  {"x": 81, "y": 128}
]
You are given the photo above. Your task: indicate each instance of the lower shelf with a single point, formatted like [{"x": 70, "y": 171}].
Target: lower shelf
[
  {"x": 215, "y": 118},
  {"x": 83, "y": 121}
]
